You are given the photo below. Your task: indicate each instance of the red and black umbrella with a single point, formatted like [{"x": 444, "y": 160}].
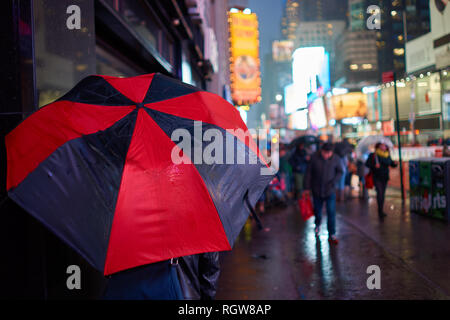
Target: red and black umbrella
[{"x": 96, "y": 167}]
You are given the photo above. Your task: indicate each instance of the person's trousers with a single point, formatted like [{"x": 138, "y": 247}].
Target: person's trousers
[
  {"x": 330, "y": 203},
  {"x": 380, "y": 187},
  {"x": 340, "y": 185}
]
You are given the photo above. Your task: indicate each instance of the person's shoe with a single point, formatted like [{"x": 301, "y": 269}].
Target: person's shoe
[
  {"x": 316, "y": 231},
  {"x": 333, "y": 240}
]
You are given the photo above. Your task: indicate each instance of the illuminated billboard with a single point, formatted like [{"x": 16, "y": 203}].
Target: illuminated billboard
[
  {"x": 310, "y": 75},
  {"x": 244, "y": 58},
  {"x": 282, "y": 50},
  {"x": 294, "y": 98},
  {"x": 349, "y": 105},
  {"x": 311, "y": 69},
  {"x": 317, "y": 115},
  {"x": 298, "y": 120}
]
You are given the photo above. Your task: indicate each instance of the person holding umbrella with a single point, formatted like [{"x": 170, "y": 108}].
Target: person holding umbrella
[
  {"x": 115, "y": 189},
  {"x": 379, "y": 163}
]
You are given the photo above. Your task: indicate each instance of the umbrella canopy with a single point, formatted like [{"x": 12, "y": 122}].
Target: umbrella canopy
[
  {"x": 96, "y": 167},
  {"x": 343, "y": 148},
  {"x": 307, "y": 140},
  {"x": 363, "y": 147}
]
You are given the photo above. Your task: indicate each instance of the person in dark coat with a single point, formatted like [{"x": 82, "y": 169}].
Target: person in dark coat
[
  {"x": 156, "y": 281},
  {"x": 379, "y": 162},
  {"x": 342, "y": 150},
  {"x": 193, "y": 277},
  {"x": 199, "y": 275},
  {"x": 322, "y": 176},
  {"x": 299, "y": 162}
]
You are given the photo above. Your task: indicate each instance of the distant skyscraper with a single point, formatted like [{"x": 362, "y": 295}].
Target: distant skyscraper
[
  {"x": 391, "y": 36},
  {"x": 320, "y": 10},
  {"x": 290, "y": 19},
  {"x": 320, "y": 33},
  {"x": 357, "y": 14},
  {"x": 241, "y": 4},
  {"x": 356, "y": 51}
]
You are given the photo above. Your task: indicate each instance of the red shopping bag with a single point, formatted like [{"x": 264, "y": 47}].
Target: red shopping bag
[
  {"x": 369, "y": 180},
  {"x": 306, "y": 207},
  {"x": 369, "y": 177}
]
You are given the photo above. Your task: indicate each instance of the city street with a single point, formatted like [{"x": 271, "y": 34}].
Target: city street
[
  {"x": 137, "y": 136},
  {"x": 287, "y": 262}
]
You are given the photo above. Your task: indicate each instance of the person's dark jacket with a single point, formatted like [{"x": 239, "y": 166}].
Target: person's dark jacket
[
  {"x": 199, "y": 275},
  {"x": 322, "y": 175},
  {"x": 298, "y": 161},
  {"x": 156, "y": 281},
  {"x": 381, "y": 173}
]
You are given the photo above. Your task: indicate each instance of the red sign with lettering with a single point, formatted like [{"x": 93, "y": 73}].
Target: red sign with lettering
[{"x": 388, "y": 76}]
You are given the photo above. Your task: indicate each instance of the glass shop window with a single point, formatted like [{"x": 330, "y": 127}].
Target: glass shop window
[
  {"x": 141, "y": 18},
  {"x": 63, "y": 56}
]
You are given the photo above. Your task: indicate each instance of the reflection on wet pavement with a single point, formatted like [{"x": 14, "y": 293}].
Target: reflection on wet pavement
[{"x": 289, "y": 262}]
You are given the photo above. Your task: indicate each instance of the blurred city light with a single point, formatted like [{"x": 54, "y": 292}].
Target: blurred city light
[{"x": 338, "y": 91}]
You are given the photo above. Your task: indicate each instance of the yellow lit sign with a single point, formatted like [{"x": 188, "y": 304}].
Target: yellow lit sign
[
  {"x": 353, "y": 104},
  {"x": 244, "y": 58}
]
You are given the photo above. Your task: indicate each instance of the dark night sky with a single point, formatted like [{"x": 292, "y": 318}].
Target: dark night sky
[{"x": 269, "y": 16}]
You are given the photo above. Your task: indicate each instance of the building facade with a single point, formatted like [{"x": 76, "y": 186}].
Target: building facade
[
  {"x": 401, "y": 20},
  {"x": 323, "y": 34},
  {"x": 290, "y": 19},
  {"x": 356, "y": 59},
  {"x": 322, "y": 10}
]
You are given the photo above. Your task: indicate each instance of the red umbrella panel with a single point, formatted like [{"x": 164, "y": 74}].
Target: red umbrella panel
[{"x": 96, "y": 167}]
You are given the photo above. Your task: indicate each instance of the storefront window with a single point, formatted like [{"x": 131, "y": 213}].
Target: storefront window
[
  {"x": 387, "y": 100},
  {"x": 63, "y": 56},
  {"x": 189, "y": 75},
  {"x": 428, "y": 94},
  {"x": 142, "y": 20},
  {"x": 405, "y": 103},
  {"x": 445, "y": 78},
  {"x": 108, "y": 64}
]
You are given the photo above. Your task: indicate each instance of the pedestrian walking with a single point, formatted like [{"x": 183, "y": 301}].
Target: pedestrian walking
[
  {"x": 342, "y": 150},
  {"x": 379, "y": 162},
  {"x": 323, "y": 173},
  {"x": 362, "y": 170},
  {"x": 286, "y": 171},
  {"x": 351, "y": 170},
  {"x": 299, "y": 162}
]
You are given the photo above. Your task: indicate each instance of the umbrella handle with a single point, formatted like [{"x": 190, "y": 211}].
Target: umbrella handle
[{"x": 252, "y": 211}]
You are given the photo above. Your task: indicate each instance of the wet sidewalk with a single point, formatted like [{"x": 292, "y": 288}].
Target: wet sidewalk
[{"x": 288, "y": 262}]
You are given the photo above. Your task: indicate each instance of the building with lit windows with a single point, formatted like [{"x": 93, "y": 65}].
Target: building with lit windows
[
  {"x": 400, "y": 19},
  {"x": 356, "y": 57},
  {"x": 322, "y": 10},
  {"x": 290, "y": 19},
  {"x": 321, "y": 34}
]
